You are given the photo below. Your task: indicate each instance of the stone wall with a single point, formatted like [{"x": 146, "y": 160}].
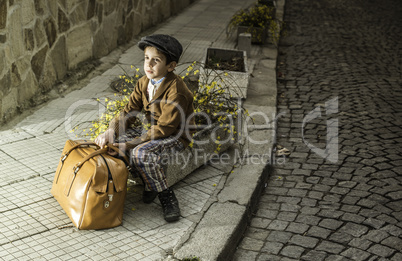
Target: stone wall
[{"x": 41, "y": 40}]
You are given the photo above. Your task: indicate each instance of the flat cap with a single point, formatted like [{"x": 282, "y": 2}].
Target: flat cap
[{"x": 164, "y": 43}]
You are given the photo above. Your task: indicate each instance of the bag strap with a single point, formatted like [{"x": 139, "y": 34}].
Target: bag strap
[
  {"x": 91, "y": 143},
  {"x": 101, "y": 151},
  {"x": 88, "y": 157},
  {"x": 86, "y": 143}
]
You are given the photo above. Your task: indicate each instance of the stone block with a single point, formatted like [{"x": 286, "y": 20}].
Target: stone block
[
  {"x": 40, "y": 7},
  {"x": 28, "y": 9},
  {"x": 38, "y": 61},
  {"x": 3, "y": 14},
  {"x": 137, "y": 24},
  {"x": 110, "y": 6},
  {"x": 258, "y": 34},
  {"x": 261, "y": 117},
  {"x": 14, "y": 32},
  {"x": 5, "y": 83},
  {"x": 24, "y": 65},
  {"x": 52, "y": 7},
  {"x": 39, "y": 33},
  {"x": 241, "y": 183},
  {"x": 236, "y": 81},
  {"x": 15, "y": 75},
  {"x": 1, "y": 106},
  {"x": 79, "y": 45},
  {"x": 145, "y": 20},
  {"x": 110, "y": 32},
  {"x": 3, "y": 65},
  {"x": 265, "y": 85},
  {"x": 213, "y": 233},
  {"x": 192, "y": 158},
  {"x": 28, "y": 88},
  {"x": 244, "y": 43},
  {"x": 10, "y": 103},
  {"x": 121, "y": 35},
  {"x": 63, "y": 22},
  {"x": 63, "y": 3},
  {"x": 129, "y": 6},
  {"x": 50, "y": 29},
  {"x": 59, "y": 58},
  {"x": 164, "y": 10},
  {"x": 268, "y": 63},
  {"x": 29, "y": 39},
  {"x": 91, "y": 9},
  {"x": 270, "y": 53},
  {"x": 79, "y": 14},
  {"x": 258, "y": 143},
  {"x": 3, "y": 38},
  {"x": 99, "y": 12},
  {"x": 129, "y": 27},
  {"x": 71, "y": 4},
  {"x": 49, "y": 76},
  {"x": 138, "y": 4},
  {"x": 99, "y": 47}
]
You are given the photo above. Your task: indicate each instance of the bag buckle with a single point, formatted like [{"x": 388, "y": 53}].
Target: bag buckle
[
  {"x": 76, "y": 169},
  {"x": 110, "y": 190}
]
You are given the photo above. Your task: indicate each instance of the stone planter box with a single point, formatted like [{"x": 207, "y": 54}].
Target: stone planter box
[
  {"x": 203, "y": 150},
  {"x": 271, "y": 3},
  {"x": 193, "y": 158},
  {"x": 258, "y": 34},
  {"x": 236, "y": 81}
]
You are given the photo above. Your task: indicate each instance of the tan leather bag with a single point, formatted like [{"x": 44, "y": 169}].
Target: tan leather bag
[{"x": 90, "y": 185}]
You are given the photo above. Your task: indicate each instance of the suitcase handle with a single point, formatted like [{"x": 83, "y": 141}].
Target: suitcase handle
[
  {"x": 86, "y": 143},
  {"x": 101, "y": 151},
  {"x": 88, "y": 157},
  {"x": 91, "y": 143}
]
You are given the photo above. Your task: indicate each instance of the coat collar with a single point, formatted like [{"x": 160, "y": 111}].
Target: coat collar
[{"x": 164, "y": 86}]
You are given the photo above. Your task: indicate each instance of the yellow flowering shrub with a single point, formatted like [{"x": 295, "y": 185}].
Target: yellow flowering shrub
[
  {"x": 212, "y": 104},
  {"x": 256, "y": 17}
]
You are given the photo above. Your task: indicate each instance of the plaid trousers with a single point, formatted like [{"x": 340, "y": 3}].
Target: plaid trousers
[{"x": 147, "y": 158}]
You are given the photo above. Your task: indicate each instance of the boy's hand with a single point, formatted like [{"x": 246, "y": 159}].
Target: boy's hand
[
  {"x": 121, "y": 146},
  {"x": 105, "y": 138}
]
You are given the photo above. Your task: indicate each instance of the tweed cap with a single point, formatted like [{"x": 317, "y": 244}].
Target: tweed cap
[{"x": 164, "y": 43}]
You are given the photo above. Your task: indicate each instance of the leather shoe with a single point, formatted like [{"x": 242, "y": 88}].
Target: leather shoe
[
  {"x": 170, "y": 205},
  {"x": 149, "y": 196}
]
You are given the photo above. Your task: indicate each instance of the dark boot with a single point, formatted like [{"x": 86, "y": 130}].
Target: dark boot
[
  {"x": 149, "y": 196},
  {"x": 170, "y": 205}
]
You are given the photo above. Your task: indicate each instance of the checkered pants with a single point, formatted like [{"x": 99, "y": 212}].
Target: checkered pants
[{"x": 149, "y": 158}]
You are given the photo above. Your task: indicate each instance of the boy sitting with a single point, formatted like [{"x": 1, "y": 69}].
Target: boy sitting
[{"x": 168, "y": 106}]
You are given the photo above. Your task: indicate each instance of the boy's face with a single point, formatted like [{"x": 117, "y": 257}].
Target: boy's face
[{"x": 155, "y": 66}]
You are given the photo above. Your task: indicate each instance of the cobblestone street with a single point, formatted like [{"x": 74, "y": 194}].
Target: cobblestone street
[{"x": 339, "y": 194}]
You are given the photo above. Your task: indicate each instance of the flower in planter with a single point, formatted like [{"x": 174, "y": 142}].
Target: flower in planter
[
  {"x": 254, "y": 20},
  {"x": 228, "y": 68}
]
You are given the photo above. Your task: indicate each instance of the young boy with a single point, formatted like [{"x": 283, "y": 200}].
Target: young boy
[{"x": 168, "y": 104}]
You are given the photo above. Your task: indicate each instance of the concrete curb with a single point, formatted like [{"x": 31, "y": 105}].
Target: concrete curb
[
  {"x": 225, "y": 220},
  {"x": 218, "y": 233}
]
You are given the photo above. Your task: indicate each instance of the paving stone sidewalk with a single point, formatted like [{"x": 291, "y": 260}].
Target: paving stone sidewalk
[
  {"x": 340, "y": 95},
  {"x": 33, "y": 225}
]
